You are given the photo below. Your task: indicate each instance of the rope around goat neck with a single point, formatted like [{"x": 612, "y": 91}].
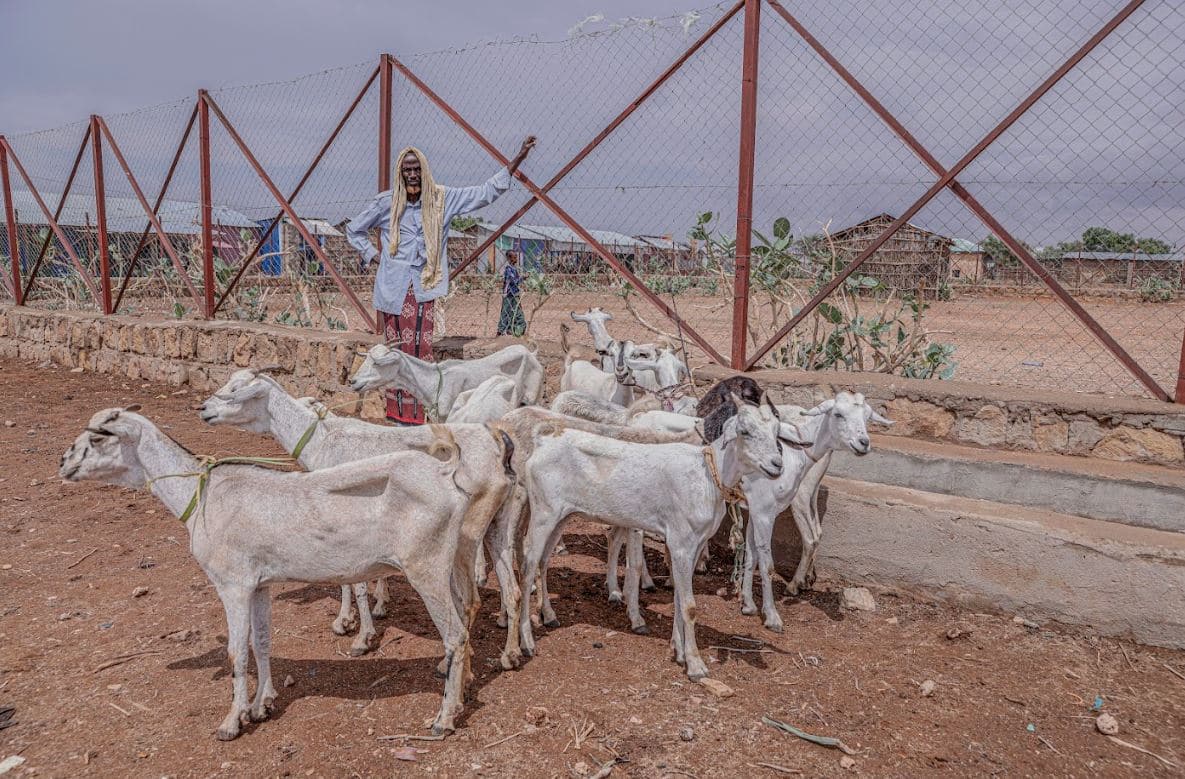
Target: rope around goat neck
[
  {"x": 730, "y": 494},
  {"x": 208, "y": 464}
]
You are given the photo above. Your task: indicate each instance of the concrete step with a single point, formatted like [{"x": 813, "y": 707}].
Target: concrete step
[
  {"x": 1117, "y": 578},
  {"x": 1135, "y": 494}
]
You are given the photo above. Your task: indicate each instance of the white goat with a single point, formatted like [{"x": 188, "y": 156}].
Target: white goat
[
  {"x": 487, "y": 402},
  {"x": 251, "y": 527},
  {"x": 671, "y": 376},
  {"x": 674, "y": 490},
  {"x": 257, "y": 402},
  {"x": 436, "y": 385},
  {"x": 584, "y": 405},
  {"x": 581, "y": 375},
  {"x": 526, "y": 426},
  {"x": 838, "y": 424},
  {"x": 595, "y": 319}
]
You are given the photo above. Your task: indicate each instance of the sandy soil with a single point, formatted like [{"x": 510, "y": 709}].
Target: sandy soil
[{"x": 1008, "y": 700}]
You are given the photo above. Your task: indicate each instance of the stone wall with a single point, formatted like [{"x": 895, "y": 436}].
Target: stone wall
[
  {"x": 197, "y": 354},
  {"x": 315, "y": 362}
]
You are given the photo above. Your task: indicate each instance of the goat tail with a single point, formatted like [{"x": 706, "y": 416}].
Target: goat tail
[{"x": 444, "y": 446}]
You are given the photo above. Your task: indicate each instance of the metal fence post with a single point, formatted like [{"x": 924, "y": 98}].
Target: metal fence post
[
  {"x": 385, "y": 81},
  {"x": 207, "y": 204},
  {"x": 10, "y": 217},
  {"x": 101, "y": 214},
  {"x": 748, "y": 137},
  {"x": 1180, "y": 395}
]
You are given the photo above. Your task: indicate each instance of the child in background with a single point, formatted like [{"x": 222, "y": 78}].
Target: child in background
[{"x": 511, "y": 321}]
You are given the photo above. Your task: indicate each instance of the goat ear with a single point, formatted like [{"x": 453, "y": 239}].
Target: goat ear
[
  {"x": 736, "y": 400},
  {"x": 880, "y": 420},
  {"x": 269, "y": 369},
  {"x": 387, "y": 358},
  {"x": 820, "y": 409},
  {"x": 133, "y": 408},
  {"x": 791, "y": 434}
]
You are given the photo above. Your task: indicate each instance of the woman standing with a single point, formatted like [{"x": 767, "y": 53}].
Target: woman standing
[{"x": 511, "y": 321}]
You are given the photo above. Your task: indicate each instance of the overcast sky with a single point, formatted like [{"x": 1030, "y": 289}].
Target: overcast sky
[
  {"x": 1103, "y": 147},
  {"x": 65, "y": 59}
]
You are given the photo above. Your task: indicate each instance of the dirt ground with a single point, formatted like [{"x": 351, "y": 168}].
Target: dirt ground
[{"x": 107, "y": 684}]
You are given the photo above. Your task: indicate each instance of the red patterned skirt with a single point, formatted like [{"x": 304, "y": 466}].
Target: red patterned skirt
[{"x": 409, "y": 331}]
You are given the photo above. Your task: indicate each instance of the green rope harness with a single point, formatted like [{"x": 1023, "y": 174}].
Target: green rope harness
[
  {"x": 322, "y": 414},
  {"x": 208, "y": 464}
]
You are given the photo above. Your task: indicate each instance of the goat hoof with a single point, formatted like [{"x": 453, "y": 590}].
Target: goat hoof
[
  {"x": 378, "y": 611},
  {"x": 748, "y": 611},
  {"x": 358, "y": 651},
  {"x": 342, "y": 626},
  {"x": 641, "y": 630},
  {"x": 258, "y": 714},
  {"x": 774, "y": 627},
  {"x": 229, "y": 732},
  {"x": 501, "y": 621},
  {"x": 615, "y": 597},
  {"x": 554, "y": 622},
  {"x": 652, "y": 587},
  {"x": 508, "y": 661},
  {"x": 441, "y": 730},
  {"x": 697, "y": 676},
  {"x": 441, "y": 670}
]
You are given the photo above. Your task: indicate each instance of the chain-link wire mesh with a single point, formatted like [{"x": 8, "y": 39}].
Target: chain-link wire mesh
[{"x": 1091, "y": 178}]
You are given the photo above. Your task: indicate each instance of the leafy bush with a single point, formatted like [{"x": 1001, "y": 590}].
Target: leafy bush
[
  {"x": 1154, "y": 289},
  {"x": 862, "y": 326}
]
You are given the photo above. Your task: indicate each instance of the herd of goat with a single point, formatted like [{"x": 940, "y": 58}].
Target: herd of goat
[{"x": 624, "y": 443}]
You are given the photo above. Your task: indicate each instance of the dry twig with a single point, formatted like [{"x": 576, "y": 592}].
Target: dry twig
[
  {"x": 775, "y": 767},
  {"x": 504, "y": 740},
  {"x": 1129, "y": 745},
  {"x": 80, "y": 559},
  {"x": 409, "y": 737},
  {"x": 1174, "y": 671},
  {"x": 124, "y": 659}
]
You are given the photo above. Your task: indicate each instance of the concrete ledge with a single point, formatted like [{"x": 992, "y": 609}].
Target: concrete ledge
[
  {"x": 1134, "y": 494},
  {"x": 1117, "y": 579}
]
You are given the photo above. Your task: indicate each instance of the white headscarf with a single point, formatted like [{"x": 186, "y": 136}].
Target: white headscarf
[{"x": 431, "y": 214}]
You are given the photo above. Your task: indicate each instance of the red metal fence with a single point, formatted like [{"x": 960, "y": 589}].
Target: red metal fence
[{"x": 852, "y": 244}]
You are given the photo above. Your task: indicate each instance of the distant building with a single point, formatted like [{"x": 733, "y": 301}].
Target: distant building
[
  {"x": 912, "y": 259},
  {"x": 126, "y": 220},
  {"x": 1084, "y": 270},
  {"x": 966, "y": 262}
]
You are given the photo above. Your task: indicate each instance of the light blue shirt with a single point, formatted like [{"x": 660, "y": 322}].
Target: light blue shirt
[{"x": 397, "y": 273}]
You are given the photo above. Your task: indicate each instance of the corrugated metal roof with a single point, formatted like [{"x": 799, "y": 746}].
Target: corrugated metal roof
[
  {"x": 124, "y": 214},
  {"x": 318, "y": 226},
  {"x": 514, "y": 231},
  {"x": 660, "y": 242},
  {"x": 566, "y": 235},
  {"x": 963, "y": 246},
  {"x": 1177, "y": 256}
]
